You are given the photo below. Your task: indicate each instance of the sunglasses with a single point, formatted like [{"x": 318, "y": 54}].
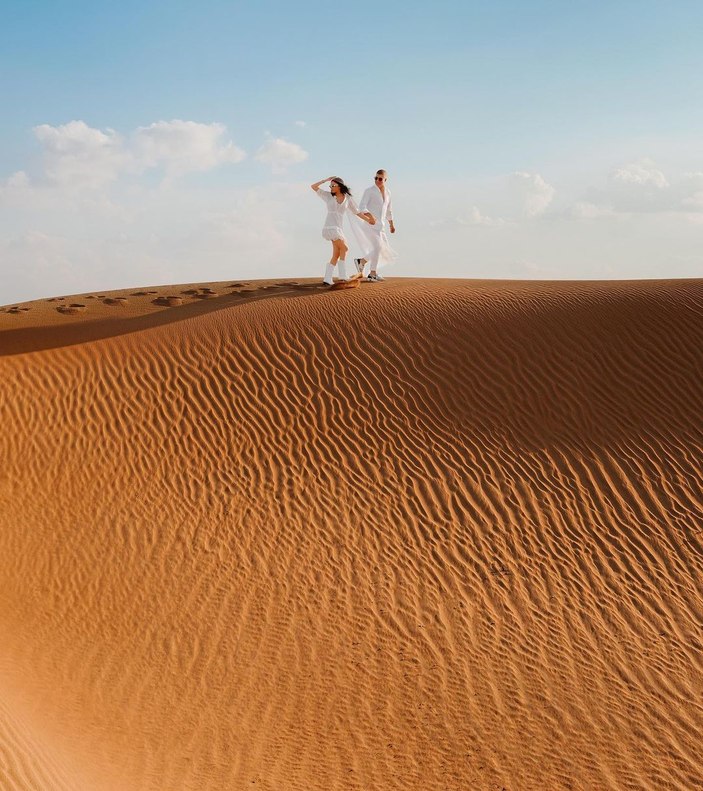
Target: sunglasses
[{"x": 378, "y": 178}]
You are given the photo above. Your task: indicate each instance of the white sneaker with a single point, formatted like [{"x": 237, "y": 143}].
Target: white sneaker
[{"x": 374, "y": 277}]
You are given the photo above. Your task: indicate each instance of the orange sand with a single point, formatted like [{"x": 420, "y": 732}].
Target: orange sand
[{"x": 420, "y": 535}]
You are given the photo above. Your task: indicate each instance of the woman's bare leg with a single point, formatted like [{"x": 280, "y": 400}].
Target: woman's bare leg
[
  {"x": 329, "y": 269},
  {"x": 342, "y": 258}
]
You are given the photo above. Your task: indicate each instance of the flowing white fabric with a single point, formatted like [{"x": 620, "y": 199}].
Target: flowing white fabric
[
  {"x": 373, "y": 244},
  {"x": 377, "y": 248}
]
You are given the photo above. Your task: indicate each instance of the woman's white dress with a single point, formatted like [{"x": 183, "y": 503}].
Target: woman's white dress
[{"x": 333, "y": 227}]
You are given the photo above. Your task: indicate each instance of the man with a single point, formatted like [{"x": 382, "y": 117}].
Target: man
[{"x": 376, "y": 201}]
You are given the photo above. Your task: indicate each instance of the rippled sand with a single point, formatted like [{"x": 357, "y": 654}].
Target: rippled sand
[{"x": 420, "y": 535}]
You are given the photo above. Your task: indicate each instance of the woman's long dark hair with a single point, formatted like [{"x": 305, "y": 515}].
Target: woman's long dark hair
[{"x": 342, "y": 187}]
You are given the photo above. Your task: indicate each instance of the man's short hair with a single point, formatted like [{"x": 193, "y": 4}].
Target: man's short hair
[{"x": 381, "y": 172}]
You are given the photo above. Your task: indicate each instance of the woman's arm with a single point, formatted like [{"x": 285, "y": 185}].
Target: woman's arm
[
  {"x": 316, "y": 186},
  {"x": 365, "y": 215}
]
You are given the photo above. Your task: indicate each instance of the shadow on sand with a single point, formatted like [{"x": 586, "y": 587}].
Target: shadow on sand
[{"x": 32, "y": 339}]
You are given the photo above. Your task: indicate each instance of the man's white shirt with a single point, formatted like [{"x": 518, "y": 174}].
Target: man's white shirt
[{"x": 374, "y": 202}]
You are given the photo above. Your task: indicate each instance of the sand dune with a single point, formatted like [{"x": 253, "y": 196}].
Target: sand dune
[{"x": 417, "y": 535}]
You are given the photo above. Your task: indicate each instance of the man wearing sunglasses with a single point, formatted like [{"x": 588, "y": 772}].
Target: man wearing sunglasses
[{"x": 377, "y": 202}]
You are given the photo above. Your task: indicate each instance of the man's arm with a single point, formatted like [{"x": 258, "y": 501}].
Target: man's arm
[
  {"x": 364, "y": 212},
  {"x": 364, "y": 215},
  {"x": 389, "y": 214}
]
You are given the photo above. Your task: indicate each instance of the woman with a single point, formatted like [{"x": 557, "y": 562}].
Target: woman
[{"x": 339, "y": 201}]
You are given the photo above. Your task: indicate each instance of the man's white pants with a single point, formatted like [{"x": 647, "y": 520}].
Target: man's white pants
[{"x": 376, "y": 239}]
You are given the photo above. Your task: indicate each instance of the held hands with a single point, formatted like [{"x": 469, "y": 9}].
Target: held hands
[
  {"x": 392, "y": 227},
  {"x": 370, "y": 219}
]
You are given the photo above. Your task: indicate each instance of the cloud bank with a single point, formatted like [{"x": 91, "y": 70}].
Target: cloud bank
[
  {"x": 280, "y": 154},
  {"x": 77, "y": 155}
]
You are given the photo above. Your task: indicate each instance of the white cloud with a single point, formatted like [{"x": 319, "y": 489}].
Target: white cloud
[
  {"x": 643, "y": 173},
  {"x": 280, "y": 154},
  {"x": 18, "y": 180},
  {"x": 695, "y": 178},
  {"x": 643, "y": 188},
  {"x": 184, "y": 146},
  {"x": 535, "y": 192},
  {"x": 694, "y": 202},
  {"x": 474, "y": 217},
  {"x": 77, "y": 155},
  {"x": 692, "y": 188},
  {"x": 504, "y": 201},
  {"x": 584, "y": 210}
]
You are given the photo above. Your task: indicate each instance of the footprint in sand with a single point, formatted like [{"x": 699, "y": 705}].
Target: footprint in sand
[
  {"x": 73, "y": 308},
  {"x": 170, "y": 301},
  {"x": 206, "y": 293},
  {"x": 17, "y": 309},
  {"x": 115, "y": 300},
  {"x": 190, "y": 291}
]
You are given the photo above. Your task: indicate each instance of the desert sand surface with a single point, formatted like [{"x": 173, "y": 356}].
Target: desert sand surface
[{"x": 436, "y": 535}]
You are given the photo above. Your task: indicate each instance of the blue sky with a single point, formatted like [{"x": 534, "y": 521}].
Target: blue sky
[{"x": 454, "y": 99}]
